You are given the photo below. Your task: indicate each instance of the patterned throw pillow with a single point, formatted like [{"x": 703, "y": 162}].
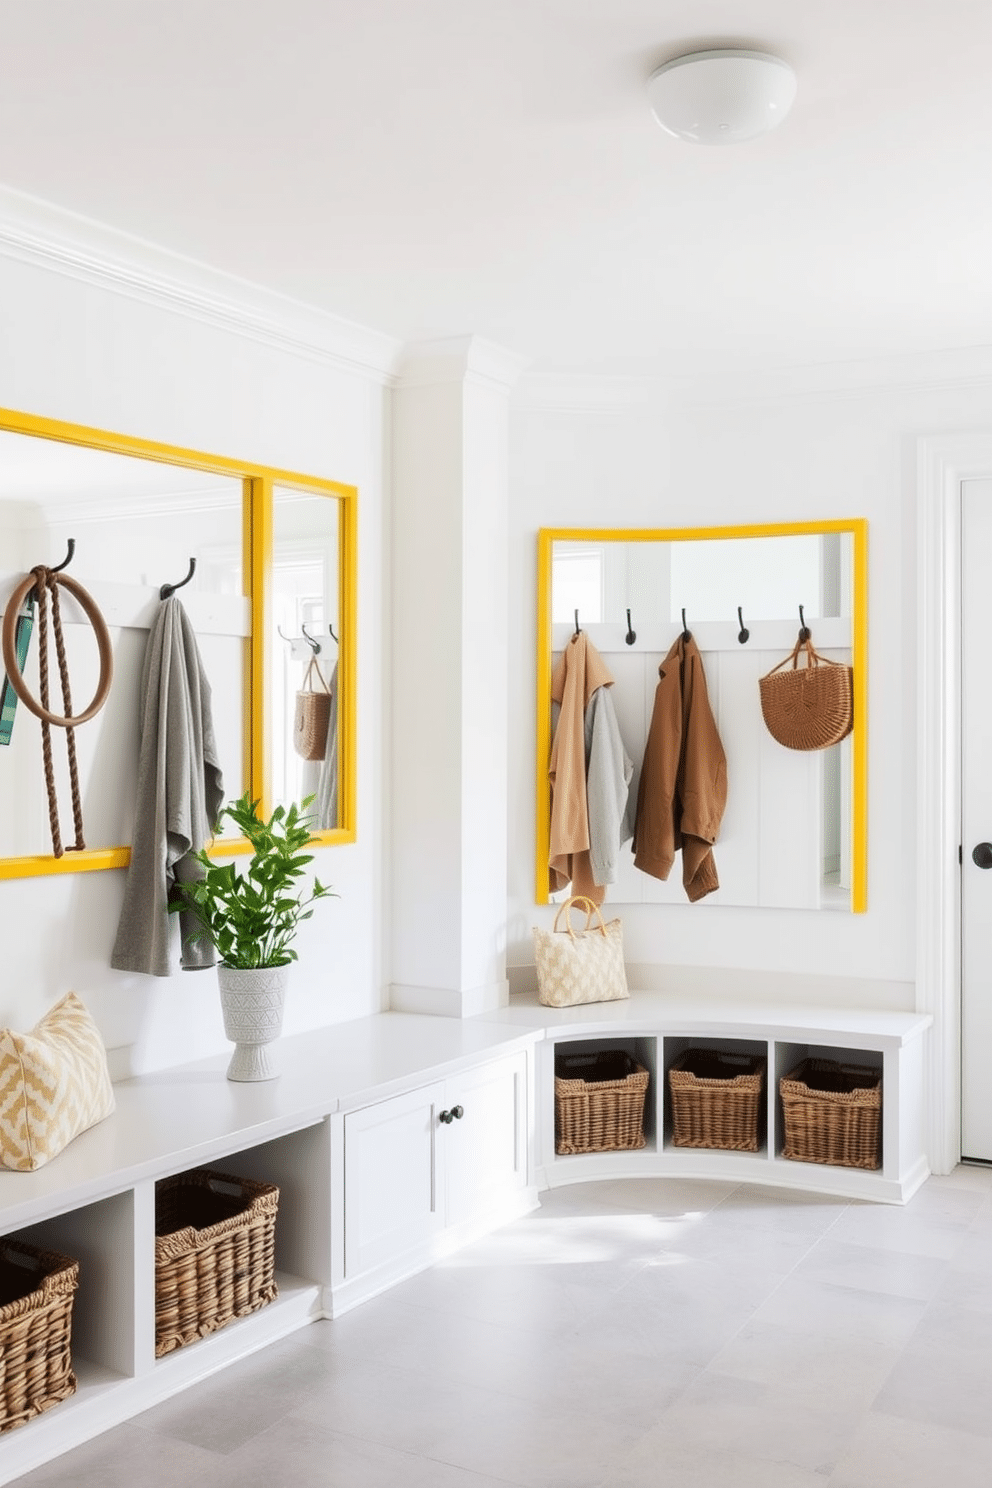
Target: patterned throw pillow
[{"x": 54, "y": 1083}]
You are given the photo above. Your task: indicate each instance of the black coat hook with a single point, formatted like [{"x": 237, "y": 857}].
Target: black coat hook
[
  {"x": 804, "y": 630},
  {"x": 68, "y": 557},
  {"x": 631, "y": 635},
  {"x": 330, "y": 632},
  {"x": 686, "y": 632},
  {"x": 311, "y": 641},
  {"x": 168, "y": 589},
  {"x": 744, "y": 635},
  {"x": 577, "y": 631}
]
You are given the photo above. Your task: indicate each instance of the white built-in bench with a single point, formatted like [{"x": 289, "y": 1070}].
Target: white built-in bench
[{"x": 394, "y": 1140}]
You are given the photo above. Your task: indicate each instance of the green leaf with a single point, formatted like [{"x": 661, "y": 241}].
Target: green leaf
[{"x": 251, "y": 913}]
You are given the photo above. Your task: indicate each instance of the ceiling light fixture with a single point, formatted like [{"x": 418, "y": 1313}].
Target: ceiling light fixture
[{"x": 722, "y": 97}]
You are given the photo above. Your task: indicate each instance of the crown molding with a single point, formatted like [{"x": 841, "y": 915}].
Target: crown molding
[
  {"x": 592, "y": 393},
  {"x": 455, "y": 359},
  {"x": 159, "y": 504},
  {"x": 47, "y": 237},
  {"x": 955, "y": 368}
]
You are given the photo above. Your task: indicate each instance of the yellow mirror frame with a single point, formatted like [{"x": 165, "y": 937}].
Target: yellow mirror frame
[
  {"x": 856, "y": 528},
  {"x": 258, "y": 482}
]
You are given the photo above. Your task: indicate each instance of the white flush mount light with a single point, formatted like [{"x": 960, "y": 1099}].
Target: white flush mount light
[{"x": 722, "y": 97}]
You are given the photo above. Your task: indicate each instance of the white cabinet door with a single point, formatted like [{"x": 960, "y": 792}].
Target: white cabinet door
[
  {"x": 412, "y": 1166},
  {"x": 394, "y": 1197},
  {"x": 484, "y": 1151}
]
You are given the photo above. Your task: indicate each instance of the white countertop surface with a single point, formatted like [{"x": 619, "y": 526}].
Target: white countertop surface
[
  {"x": 192, "y": 1114},
  {"x": 663, "y": 1012}
]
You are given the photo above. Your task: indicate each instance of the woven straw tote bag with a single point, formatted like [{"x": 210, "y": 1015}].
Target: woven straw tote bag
[
  {"x": 313, "y": 713},
  {"x": 809, "y": 707},
  {"x": 580, "y": 967}
]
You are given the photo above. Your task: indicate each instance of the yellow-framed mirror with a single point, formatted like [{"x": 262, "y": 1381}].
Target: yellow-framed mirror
[
  {"x": 794, "y": 833},
  {"x": 136, "y": 512}
]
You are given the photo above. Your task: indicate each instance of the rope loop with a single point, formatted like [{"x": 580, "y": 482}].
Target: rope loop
[{"x": 45, "y": 581}]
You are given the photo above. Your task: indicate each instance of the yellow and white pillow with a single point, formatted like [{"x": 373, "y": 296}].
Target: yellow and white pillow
[{"x": 54, "y": 1083}]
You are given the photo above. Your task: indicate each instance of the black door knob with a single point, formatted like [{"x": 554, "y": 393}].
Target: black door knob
[
  {"x": 981, "y": 855},
  {"x": 446, "y": 1118},
  {"x": 458, "y": 1112}
]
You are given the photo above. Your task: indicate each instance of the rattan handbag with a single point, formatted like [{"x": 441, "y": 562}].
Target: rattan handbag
[
  {"x": 583, "y": 967},
  {"x": 313, "y": 712},
  {"x": 808, "y": 707}
]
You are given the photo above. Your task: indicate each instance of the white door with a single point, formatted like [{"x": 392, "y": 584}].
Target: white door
[{"x": 976, "y": 819}]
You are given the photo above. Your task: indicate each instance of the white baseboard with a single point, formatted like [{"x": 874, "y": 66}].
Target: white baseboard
[{"x": 449, "y": 1002}]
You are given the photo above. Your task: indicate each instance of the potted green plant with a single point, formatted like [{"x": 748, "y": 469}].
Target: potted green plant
[{"x": 251, "y": 918}]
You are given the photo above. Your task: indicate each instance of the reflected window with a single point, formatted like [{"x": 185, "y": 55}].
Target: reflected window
[
  {"x": 578, "y": 585},
  {"x": 303, "y": 727}
]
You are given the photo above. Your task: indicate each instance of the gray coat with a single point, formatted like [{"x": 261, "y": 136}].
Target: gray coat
[{"x": 608, "y": 774}]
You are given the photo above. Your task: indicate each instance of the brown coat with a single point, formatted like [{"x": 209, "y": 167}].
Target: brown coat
[
  {"x": 683, "y": 788},
  {"x": 579, "y": 673}
]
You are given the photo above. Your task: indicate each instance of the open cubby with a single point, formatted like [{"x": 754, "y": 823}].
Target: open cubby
[
  {"x": 299, "y": 1165},
  {"x": 677, "y": 1045},
  {"x": 788, "y": 1055},
  {"x": 100, "y": 1236},
  {"x": 644, "y": 1051}
]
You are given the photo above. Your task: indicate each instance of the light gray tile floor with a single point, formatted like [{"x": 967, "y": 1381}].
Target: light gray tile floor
[{"x": 642, "y": 1334}]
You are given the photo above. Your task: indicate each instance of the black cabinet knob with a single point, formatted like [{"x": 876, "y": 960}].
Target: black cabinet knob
[
  {"x": 446, "y": 1118},
  {"x": 455, "y": 1114},
  {"x": 981, "y": 855},
  {"x": 458, "y": 1112}
]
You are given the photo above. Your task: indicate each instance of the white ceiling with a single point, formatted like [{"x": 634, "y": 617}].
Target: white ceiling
[{"x": 439, "y": 167}]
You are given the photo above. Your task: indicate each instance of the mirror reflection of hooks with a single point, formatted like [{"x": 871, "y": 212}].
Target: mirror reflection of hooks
[
  {"x": 292, "y": 640},
  {"x": 743, "y": 635},
  {"x": 330, "y": 632},
  {"x": 631, "y": 635}
]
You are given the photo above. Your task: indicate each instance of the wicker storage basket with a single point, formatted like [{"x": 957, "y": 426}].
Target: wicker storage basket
[
  {"x": 717, "y": 1099},
  {"x": 214, "y": 1253},
  {"x": 833, "y": 1114},
  {"x": 36, "y": 1293},
  {"x": 599, "y": 1102}
]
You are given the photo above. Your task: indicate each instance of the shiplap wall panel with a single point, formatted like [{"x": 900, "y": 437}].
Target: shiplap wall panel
[{"x": 733, "y": 689}]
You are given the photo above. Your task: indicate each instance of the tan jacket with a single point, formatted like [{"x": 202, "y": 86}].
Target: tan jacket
[
  {"x": 579, "y": 673},
  {"x": 683, "y": 788}
]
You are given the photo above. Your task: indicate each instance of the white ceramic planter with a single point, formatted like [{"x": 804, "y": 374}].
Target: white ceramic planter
[{"x": 252, "y": 1003}]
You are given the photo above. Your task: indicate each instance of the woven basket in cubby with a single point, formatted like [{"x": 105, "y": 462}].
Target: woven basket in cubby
[
  {"x": 214, "y": 1253},
  {"x": 37, "y": 1288},
  {"x": 717, "y": 1099},
  {"x": 833, "y": 1114},
  {"x": 599, "y": 1102}
]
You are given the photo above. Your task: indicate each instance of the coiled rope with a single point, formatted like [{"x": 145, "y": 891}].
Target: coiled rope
[{"x": 45, "y": 581}]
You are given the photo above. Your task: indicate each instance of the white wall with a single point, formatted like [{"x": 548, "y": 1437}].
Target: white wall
[
  {"x": 184, "y": 368},
  {"x": 780, "y": 455}
]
